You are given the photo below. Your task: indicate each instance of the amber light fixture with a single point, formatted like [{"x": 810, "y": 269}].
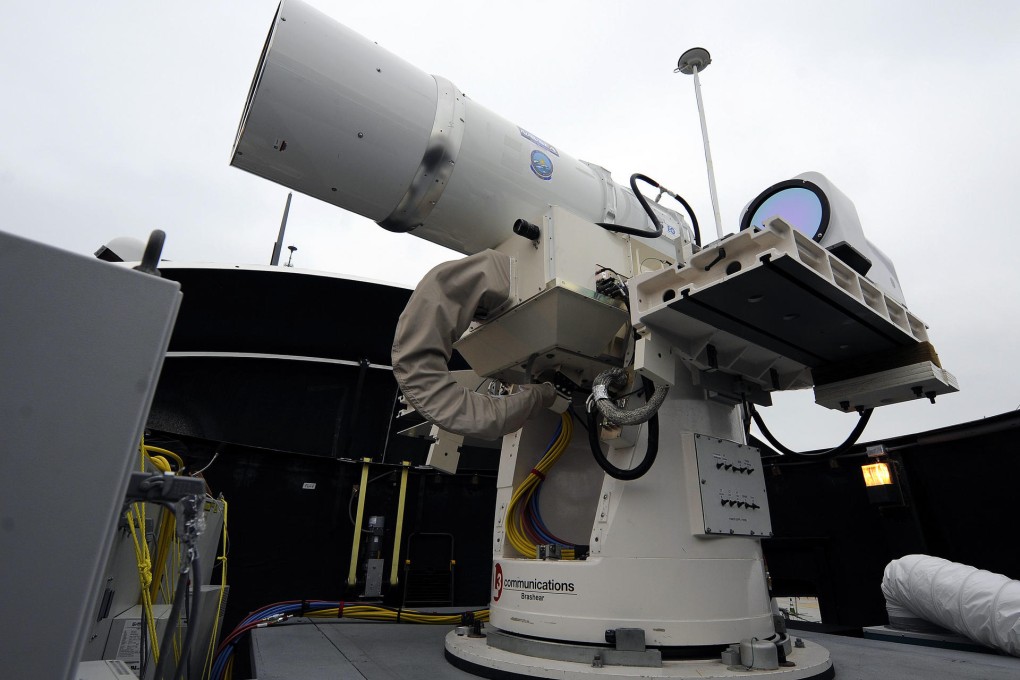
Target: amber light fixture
[{"x": 877, "y": 474}]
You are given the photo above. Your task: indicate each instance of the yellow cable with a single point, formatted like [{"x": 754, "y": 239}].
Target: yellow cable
[
  {"x": 151, "y": 586},
  {"x": 370, "y": 613},
  {"x": 514, "y": 523},
  {"x": 516, "y": 535},
  {"x": 211, "y": 651},
  {"x": 143, "y": 558},
  {"x": 167, "y": 531},
  {"x": 144, "y": 574},
  {"x": 165, "y": 452},
  {"x": 160, "y": 463}
]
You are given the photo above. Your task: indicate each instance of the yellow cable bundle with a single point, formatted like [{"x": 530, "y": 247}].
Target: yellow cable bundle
[
  {"x": 515, "y": 533},
  {"x": 151, "y": 583},
  {"x": 143, "y": 558},
  {"x": 164, "y": 541},
  {"x": 144, "y": 570},
  {"x": 160, "y": 463},
  {"x": 210, "y": 654},
  {"x": 371, "y": 613},
  {"x": 149, "y": 450}
]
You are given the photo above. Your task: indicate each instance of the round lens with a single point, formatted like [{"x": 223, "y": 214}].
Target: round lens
[{"x": 800, "y": 208}]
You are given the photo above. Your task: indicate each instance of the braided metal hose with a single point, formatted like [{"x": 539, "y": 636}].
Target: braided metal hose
[{"x": 617, "y": 379}]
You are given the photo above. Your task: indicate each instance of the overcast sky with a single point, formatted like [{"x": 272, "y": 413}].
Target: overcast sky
[{"x": 119, "y": 118}]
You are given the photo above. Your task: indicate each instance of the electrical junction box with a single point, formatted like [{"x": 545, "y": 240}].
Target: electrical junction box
[
  {"x": 374, "y": 578},
  {"x": 95, "y": 642},
  {"x": 120, "y": 589},
  {"x": 732, "y": 484},
  {"x": 104, "y": 670},
  {"x": 84, "y": 342},
  {"x": 208, "y": 544},
  {"x": 125, "y": 641},
  {"x": 214, "y": 609}
]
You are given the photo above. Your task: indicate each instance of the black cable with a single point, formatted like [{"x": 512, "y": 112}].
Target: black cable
[
  {"x": 847, "y": 444},
  {"x": 694, "y": 218},
  {"x": 193, "y": 619},
  {"x": 171, "y": 625},
  {"x": 354, "y": 495},
  {"x": 580, "y": 421},
  {"x": 142, "y": 656},
  {"x": 620, "y": 229},
  {"x": 651, "y": 447}
]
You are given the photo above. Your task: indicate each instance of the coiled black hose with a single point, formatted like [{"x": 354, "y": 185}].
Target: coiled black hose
[
  {"x": 633, "y": 231},
  {"x": 847, "y": 444},
  {"x": 651, "y": 447}
]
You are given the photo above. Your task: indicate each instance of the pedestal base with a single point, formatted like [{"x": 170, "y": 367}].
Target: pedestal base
[{"x": 475, "y": 656}]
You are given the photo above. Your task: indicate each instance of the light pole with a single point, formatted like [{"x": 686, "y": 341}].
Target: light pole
[{"x": 692, "y": 62}]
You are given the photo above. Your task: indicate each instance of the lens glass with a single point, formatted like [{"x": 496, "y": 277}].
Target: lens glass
[{"x": 799, "y": 207}]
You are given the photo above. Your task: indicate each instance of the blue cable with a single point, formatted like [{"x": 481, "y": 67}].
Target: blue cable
[
  {"x": 556, "y": 435},
  {"x": 220, "y": 663},
  {"x": 539, "y": 523}
]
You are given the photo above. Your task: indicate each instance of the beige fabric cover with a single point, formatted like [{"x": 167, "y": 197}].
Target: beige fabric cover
[{"x": 439, "y": 311}]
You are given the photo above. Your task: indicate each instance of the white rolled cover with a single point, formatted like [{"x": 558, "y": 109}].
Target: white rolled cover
[
  {"x": 441, "y": 308},
  {"x": 973, "y": 602}
]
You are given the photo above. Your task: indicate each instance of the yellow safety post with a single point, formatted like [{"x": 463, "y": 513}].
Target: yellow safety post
[
  {"x": 394, "y": 579},
  {"x": 352, "y": 575}
]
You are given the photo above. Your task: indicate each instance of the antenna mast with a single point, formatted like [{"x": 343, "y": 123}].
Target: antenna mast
[{"x": 691, "y": 62}]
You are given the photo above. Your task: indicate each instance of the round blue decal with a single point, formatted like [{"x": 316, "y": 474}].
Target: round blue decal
[{"x": 541, "y": 165}]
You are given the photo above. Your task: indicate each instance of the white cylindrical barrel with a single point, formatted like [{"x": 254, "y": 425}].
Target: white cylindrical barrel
[{"x": 334, "y": 116}]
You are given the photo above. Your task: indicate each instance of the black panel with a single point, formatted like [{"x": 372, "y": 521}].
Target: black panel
[
  {"x": 299, "y": 406},
  {"x": 780, "y": 306},
  {"x": 280, "y": 311},
  {"x": 831, "y": 542}
]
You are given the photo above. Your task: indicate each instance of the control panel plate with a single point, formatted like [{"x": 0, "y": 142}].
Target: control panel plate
[{"x": 732, "y": 485}]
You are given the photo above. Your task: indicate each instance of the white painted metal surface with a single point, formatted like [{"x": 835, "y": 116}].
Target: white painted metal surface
[
  {"x": 756, "y": 358},
  {"x": 83, "y": 347},
  {"x": 845, "y": 225},
  {"x": 326, "y": 99},
  {"x": 811, "y": 661},
  {"x": 888, "y": 387},
  {"x": 334, "y": 116},
  {"x": 556, "y": 316},
  {"x": 649, "y": 568}
]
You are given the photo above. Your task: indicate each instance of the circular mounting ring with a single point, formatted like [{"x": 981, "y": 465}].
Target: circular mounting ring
[{"x": 752, "y": 208}]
